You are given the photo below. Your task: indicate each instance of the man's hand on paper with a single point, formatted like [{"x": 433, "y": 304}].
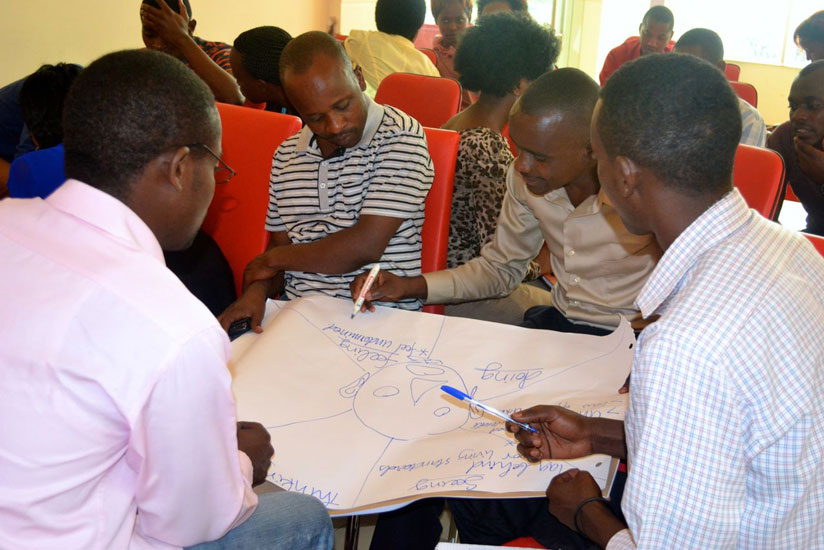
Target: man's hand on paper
[
  {"x": 252, "y": 303},
  {"x": 387, "y": 288},
  {"x": 561, "y": 433},
  {"x": 255, "y": 441}
]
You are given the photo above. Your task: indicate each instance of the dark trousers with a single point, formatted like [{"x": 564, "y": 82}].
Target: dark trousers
[{"x": 491, "y": 521}]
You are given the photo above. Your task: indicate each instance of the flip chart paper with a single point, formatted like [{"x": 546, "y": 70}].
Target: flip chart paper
[{"x": 358, "y": 419}]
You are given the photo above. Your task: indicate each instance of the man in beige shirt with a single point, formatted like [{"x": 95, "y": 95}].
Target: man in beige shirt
[
  {"x": 390, "y": 49},
  {"x": 552, "y": 195}
]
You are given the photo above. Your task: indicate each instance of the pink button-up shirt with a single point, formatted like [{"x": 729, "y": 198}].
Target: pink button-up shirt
[{"x": 117, "y": 423}]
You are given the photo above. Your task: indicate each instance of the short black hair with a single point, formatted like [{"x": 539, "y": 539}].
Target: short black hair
[
  {"x": 810, "y": 30},
  {"x": 660, "y": 14},
  {"x": 568, "y": 91},
  {"x": 403, "y": 17},
  {"x": 437, "y": 6},
  {"x": 126, "y": 109},
  {"x": 813, "y": 67},
  {"x": 42, "y": 96},
  {"x": 501, "y": 49},
  {"x": 299, "y": 53},
  {"x": 710, "y": 43},
  {"x": 172, "y": 4},
  {"x": 516, "y": 5},
  {"x": 260, "y": 50},
  {"x": 675, "y": 115}
]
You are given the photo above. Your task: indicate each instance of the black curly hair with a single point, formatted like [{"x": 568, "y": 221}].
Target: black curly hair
[
  {"x": 403, "y": 17},
  {"x": 516, "y": 5},
  {"x": 41, "y": 98},
  {"x": 676, "y": 115},
  {"x": 503, "y": 48},
  {"x": 260, "y": 50}
]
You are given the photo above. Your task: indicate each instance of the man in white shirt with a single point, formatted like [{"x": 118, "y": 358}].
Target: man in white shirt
[
  {"x": 725, "y": 429},
  {"x": 118, "y": 420}
]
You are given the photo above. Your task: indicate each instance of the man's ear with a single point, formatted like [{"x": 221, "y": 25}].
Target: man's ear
[
  {"x": 629, "y": 173},
  {"x": 177, "y": 170},
  {"x": 192, "y": 25},
  {"x": 519, "y": 90}
]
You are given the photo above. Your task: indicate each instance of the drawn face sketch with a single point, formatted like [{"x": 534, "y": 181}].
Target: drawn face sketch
[{"x": 405, "y": 401}]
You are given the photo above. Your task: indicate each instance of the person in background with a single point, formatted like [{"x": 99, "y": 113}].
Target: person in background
[
  {"x": 42, "y": 96},
  {"x": 452, "y": 17},
  {"x": 124, "y": 432},
  {"x": 15, "y": 139},
  {"x": 390, "y": 49},
  {"x": 255, "y": 57},
  {"x": 168, "y": 27},
  {"x": 347, "y": 191},
  {"x": 707, "y": 45},
  {"x": 655, "y": 37},
  {"x": 725, "y": 428},
  {"x": 800, "y": 141},
  {"x": 499, "y": 57},
  {"x": 809, "y": 36},
  {"x": 487, "y": 7}
]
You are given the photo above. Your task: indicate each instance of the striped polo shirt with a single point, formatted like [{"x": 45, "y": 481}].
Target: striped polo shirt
[{"x": 388, "y": 173}]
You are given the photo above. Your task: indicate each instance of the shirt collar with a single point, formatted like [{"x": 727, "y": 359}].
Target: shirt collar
[
  {"x": 101, "y": 210},
  {"x": 716, "y": 224},
  {"x": 307, "y": 142}
]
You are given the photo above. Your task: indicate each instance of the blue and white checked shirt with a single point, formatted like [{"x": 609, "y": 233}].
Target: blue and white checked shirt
[
  {"x": 753, "y": 129},
  {"x": 725, "y": 428}
]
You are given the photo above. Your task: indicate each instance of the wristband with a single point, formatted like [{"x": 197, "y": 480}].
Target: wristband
[{"x": 581, "y": 507}]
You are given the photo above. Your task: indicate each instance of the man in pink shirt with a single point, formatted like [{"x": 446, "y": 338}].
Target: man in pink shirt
[
  {"x": 118, "y": 420},
  {"x": 655, "y": 37}
]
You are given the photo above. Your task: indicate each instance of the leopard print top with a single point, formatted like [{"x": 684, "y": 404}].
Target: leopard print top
[{"x": 480, "y": 185}]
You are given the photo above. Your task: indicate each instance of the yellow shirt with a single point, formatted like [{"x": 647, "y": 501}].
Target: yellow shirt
[
  {"x": 380, "y": 54},
  {"x": 601, "y": 266}
]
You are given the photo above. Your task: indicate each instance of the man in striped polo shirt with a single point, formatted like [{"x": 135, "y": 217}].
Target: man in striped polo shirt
[{"x": 345, "y": 192}]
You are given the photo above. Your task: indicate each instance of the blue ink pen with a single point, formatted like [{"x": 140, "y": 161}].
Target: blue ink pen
[
  {"x": 370, "y": 279},
  {"x": 491, "y": 410}
]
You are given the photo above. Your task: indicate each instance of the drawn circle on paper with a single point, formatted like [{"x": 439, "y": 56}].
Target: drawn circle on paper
[{"x": 418, "y": 409}]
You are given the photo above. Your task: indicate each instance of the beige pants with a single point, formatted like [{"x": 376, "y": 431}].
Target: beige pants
[{"x": 508, "y": 310}]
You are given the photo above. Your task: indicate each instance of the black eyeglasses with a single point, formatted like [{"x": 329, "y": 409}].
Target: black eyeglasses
[{"x": 223, "y": 172}]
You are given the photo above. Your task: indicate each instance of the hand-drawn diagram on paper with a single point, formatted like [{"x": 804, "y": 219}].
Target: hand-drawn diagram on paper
[{"x": 358, "y": 419}]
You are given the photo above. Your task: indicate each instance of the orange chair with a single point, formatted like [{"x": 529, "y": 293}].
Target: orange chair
[
  {"x": 430, "y": 53},
  {"x": 430, "y": 100},
  {"x": 443, "y": 148},
  {"x": 732, "y": 72},
  {"x": 747, "y": 92},
  {"x": 788, "y": 194},
  {"x": 818, "y": 242},
  {"x": 237, "y": 213},
  {"x": 759, "y": 175}
]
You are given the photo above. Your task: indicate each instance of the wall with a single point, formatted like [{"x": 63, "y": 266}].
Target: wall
[
  {"x": 33, "y": 32},
  {"x": 773, "y": 85}
]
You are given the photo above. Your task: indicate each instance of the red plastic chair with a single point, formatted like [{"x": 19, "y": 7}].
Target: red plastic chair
[
  {"x": 747, "y": 92},
  {"x": 732, "y": 72},
  {"x": 443, "y": 148},
  {"x": 237, "y": 214},
  {"x": 789, "y": 195},
  {"x": 430, "y": 100},
  {"x": 430, "y": 54},
  {"x": 818, "y": 242},
  {"x": 525, "y": 542},
  {"x": 759, "y": 176}
]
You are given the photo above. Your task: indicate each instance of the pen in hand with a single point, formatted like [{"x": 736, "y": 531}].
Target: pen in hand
[{"x": 370, "y": 279}]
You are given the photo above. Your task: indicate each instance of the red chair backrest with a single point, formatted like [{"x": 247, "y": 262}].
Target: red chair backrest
[
  {"x": 443, "y": 148},
  {"x": 430, "y": 53},
  {"x": 759, "y": 175},
  {"x": 525, "y": 542},
  {"x": 747, "y": 92},
  {"x": 430, "y": 100},
  {"x": 341, "y": 37},
  {"x": 818, "y": 242},
  {"x": 732, "y": 72},
  {"x": 237, "y": 213}
]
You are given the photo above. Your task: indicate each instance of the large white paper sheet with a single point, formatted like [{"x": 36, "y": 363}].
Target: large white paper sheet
[{"x": 358, "y": 419}]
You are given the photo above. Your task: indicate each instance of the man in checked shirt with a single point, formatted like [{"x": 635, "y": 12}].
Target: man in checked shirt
[{"x": 725, "y": 430}]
